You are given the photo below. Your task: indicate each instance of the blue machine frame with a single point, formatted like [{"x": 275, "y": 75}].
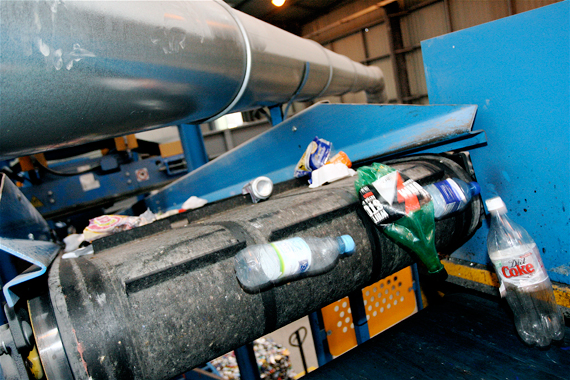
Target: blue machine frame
[
  {"x": 58, "y": 194},
  {"x": 517, "y": 71}
]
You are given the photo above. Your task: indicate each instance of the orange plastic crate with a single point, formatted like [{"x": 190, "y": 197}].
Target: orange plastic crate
[{"x": 387, "y": 302}]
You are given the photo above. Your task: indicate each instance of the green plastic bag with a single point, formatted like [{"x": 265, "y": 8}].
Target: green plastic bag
[{"x": 402, "y": 209}]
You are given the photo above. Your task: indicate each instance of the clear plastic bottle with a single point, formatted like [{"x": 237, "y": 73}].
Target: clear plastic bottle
[
  {"x": 524, "y": 280},
  {"x": 451, "y": 195},
  {"x": 261, "y": 265}
]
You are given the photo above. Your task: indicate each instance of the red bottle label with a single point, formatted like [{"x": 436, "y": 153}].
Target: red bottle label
[
  {"x": 392, "y": 197},
  {"x": 520, "y": 269}
]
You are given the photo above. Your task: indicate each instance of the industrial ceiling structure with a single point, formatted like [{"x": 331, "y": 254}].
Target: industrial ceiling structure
[{"x": 291, "y": 15}]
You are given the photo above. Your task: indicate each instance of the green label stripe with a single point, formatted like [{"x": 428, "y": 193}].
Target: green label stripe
[{"x": 280, "y": 259}]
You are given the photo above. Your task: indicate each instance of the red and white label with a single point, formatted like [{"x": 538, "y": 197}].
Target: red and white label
[
  {"x": 142, "y": 174},
  {"x": 520, "y": 267}
]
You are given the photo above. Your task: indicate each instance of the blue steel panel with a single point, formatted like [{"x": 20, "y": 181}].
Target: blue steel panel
[
  {"x": 517, "y": 70},
  {"x": 362, "y": 131}
]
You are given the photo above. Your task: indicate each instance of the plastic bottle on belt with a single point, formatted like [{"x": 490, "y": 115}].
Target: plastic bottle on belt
[
  {"x": 451, "y": 195},
  {"x": 524, "y": 280},
  {"x": 260, "y": 265}
]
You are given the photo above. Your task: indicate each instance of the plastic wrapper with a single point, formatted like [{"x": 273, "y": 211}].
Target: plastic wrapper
[
  {"x": 110, "y": 224},
  {"x": 402, "y": 209},
  {"x": 73, "y": 241},
  {"x": 315, "y": 156},
  {"x": 193, "y": 203},
  {"x": 329, "y": 173}
]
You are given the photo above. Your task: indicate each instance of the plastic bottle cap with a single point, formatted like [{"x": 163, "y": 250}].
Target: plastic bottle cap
[
  {"x": 348, "y": 244},
  {"x": 475, "y": 188},
  {"x": 496, "y": 205}
]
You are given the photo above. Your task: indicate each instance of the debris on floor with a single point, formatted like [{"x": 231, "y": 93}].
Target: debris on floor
[{"x": 272, "y": 360}]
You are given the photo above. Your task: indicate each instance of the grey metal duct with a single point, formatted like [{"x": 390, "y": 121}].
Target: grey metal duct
[{"x": 78, "y": 71}]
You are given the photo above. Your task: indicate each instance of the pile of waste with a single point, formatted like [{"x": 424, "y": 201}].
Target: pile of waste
[{"x": 272, "y": 360}]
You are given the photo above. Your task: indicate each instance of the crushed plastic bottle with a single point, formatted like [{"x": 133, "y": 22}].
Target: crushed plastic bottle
[
  {"x": 524, "y": 280},
  {"x": 402, "y": 210},
  {"x": 259, "y": 266},
  {"x": 451, "y": 195}
]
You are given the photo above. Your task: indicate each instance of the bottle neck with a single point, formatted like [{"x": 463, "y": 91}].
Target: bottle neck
[
  {"x": 341, "y": 245},
  {"x": 474, "y": 188},
  {"x": 502, "y": 219},
  {"x": 345, "y": 245},
  {"x": 510, "y": 229}
]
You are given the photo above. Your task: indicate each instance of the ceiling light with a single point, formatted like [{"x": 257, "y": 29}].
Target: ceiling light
[{"x": 278, "y": 3}]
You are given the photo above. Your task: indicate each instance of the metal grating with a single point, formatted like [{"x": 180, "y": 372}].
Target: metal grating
[{"x": 386, "y": 302}]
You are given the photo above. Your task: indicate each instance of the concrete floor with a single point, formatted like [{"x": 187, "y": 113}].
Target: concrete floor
[{"x": 282, "y": 335}]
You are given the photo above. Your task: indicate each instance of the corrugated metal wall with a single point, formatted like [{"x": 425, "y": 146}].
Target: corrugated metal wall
[{"x": 361, "y": 31}]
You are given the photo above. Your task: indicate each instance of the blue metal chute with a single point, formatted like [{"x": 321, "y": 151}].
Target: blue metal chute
[{"x": 362, "y": 131}]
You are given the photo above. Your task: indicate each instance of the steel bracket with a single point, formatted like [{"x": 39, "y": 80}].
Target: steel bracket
[{"x": 38, "y": 253}]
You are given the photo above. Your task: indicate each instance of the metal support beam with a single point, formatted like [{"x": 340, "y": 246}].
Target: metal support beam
[
  {"x": 246, "y": 362},
  {"x": 193, "y": 145},
  {"x": 396, "y": 44},
  {"x": 414, "y": 8},
  {"x": 359, "y": 317},
  {"x": 320, "y": 338},
  {"x": 228, "y": 139},
  {"x": 365, "y": 44},
  {"x": 276, "y": 114},
  {"x": 417, "y": 288},
  {"x": 511, "y": 5},
  {"x": 448, "y": 19}
]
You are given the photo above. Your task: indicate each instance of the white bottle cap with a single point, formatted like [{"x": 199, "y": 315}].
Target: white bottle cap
[{"x": 496, "y": 205}]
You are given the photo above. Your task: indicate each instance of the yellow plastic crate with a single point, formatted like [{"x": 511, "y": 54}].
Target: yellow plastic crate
[{"x": 387, "y": 302}]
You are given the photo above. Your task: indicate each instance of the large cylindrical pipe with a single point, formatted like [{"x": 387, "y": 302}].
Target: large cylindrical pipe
[
  {"x": 158, "y": 306},
  {"x": 78, "y": 71}
]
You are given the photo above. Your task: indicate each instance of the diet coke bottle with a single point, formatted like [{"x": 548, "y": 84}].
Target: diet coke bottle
[{"x": 523, "y": 278}]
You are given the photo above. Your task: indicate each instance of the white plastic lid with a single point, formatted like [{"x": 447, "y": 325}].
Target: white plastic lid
[{"x": 496, "y": 205}]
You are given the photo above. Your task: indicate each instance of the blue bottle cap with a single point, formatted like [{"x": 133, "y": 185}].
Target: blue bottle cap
[
  {"x": 348, "y": 244},
  {"x": 475, "y": 188}
]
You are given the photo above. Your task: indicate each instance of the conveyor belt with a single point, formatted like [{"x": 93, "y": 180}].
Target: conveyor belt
[{"x": 464, "y": 337}]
